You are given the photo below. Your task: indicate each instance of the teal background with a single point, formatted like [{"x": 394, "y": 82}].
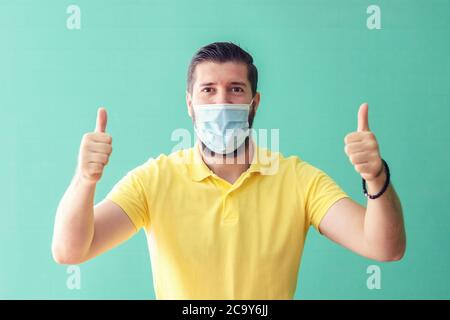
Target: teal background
[{"x": 317, "y": 61}]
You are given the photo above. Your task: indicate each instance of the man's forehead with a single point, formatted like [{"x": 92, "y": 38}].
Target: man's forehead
[{"x": 209, "y": 71}]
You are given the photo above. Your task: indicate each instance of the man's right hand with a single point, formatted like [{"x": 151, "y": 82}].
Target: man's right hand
[
  {"x": 83, "y": 231},
  {"x": 95, "y": 149}
]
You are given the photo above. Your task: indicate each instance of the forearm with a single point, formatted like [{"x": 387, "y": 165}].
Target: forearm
[
  {"x": 74, "y": 222},
  {"x": 383, "y": 225}
]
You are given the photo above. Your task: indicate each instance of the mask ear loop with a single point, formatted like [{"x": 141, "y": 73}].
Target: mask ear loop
[{"x": 250, "y": 111}]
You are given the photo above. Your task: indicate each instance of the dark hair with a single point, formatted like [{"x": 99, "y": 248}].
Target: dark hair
[{"x": 223, "y": 52}]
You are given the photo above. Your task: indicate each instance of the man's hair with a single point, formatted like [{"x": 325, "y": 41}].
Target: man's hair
[{"x": 223, "y": 52}]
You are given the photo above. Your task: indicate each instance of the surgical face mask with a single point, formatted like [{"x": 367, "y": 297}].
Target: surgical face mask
[{"x": 222, "y": 127}]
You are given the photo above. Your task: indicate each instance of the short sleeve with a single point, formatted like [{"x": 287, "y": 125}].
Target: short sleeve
[
  {"x": 320, "y": 194},
  {"x": 131, "y": 195}
]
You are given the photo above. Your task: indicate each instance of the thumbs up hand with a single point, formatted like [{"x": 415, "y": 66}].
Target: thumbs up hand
[
  {"x": 362, "y": 148},
  {"x": 95, "y": 149}
]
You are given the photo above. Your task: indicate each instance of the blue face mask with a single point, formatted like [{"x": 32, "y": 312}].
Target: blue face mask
[{"x": 222, "y": 127}]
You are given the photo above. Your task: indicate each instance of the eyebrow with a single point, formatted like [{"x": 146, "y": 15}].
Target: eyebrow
[
  {"x": 239, "y": 83},
  {"x": 233, "y": 83}
]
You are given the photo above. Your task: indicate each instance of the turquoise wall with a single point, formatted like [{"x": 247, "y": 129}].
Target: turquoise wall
[{"x": 317, "y": 60}]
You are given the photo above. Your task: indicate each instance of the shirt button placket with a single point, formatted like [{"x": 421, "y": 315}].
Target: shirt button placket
[{"x": 229, "y": 212}]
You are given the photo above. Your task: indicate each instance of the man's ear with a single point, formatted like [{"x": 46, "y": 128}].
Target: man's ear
[{"x": 189, "y": 103}]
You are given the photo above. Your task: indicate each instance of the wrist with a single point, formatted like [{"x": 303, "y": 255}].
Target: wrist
[
  {"x": 381, "y": 182},
  {"x": 82, "y": 180},
  {"x": 375, "y": 185}
]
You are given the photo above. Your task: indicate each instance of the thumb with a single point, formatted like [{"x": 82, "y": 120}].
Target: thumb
[
  {"x": 102, "y": 118},
  {"x": 363, "y": 117}
]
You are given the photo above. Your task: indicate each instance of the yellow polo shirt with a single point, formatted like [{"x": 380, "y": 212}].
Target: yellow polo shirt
[{"x": 209, "y": 239}]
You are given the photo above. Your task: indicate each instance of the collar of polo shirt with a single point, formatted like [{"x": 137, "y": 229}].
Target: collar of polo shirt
[{"x": 198, "y": 170}]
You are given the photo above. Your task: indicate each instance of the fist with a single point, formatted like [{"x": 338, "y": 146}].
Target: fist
[
  {"x": 95, "y": 149},
  {"x": 362, "y": 148}
]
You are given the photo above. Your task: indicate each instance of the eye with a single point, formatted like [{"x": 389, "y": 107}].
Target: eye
[
  {"x": 207, "y": 89},
  {"x": 237, "y": 89}
]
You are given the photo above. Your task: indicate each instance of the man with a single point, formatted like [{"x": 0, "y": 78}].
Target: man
[{"x": 226, "y": 229}]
